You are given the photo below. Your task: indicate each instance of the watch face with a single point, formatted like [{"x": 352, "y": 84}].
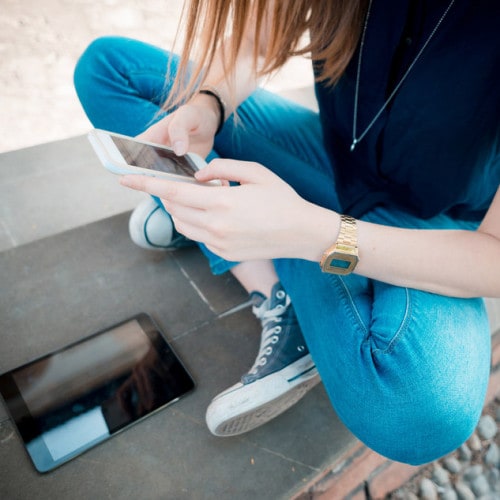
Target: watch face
[{"x": 340, "y": 263}]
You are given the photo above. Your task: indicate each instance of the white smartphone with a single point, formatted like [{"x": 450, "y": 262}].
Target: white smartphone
[{"x": 121, "y": 155}]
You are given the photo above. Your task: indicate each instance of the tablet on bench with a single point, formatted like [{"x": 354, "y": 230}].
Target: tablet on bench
[{"x": 68, "y": 401}]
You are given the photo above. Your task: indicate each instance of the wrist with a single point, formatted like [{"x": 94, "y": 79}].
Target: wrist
[
  {"x": 218, "y": 104},
  {"x": 321, "y": 228}
]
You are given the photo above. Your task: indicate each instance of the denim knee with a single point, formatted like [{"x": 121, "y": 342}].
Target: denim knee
[
  {"x": 421, "y": 432},
  {"x": 122, "y": 84},
  {"x": 93, "y": 79},
  {"x": 407, "y": 373},
  {"x": 423, "y": 395},
  {"x": 87, "y": 66}
]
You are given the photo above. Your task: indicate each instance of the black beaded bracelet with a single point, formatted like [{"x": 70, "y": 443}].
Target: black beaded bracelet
[{"x": 208, "y": 90}]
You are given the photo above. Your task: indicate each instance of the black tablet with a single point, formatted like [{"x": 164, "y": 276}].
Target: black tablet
[{"x": 69, "y": 401}]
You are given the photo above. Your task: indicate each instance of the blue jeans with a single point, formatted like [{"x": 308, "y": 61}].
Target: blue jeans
[{"x": 405, "y": 370}]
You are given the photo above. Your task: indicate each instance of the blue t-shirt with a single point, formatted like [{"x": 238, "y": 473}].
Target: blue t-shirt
[{"x": 436, "y": 148}]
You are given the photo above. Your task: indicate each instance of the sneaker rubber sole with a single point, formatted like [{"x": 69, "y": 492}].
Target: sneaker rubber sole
[{"x": 242, "y": 408}]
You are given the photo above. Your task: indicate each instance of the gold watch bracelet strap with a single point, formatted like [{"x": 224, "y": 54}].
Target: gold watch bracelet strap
[
  {"x": 344, "y": 251},
  {"x": 348, "y": 234}
]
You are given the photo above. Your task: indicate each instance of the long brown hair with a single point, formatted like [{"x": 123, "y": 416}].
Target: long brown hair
[{"x": 333, "y": 27}]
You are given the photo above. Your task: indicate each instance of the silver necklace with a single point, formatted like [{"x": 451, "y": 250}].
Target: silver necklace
[{"x": 356, "y": 140}]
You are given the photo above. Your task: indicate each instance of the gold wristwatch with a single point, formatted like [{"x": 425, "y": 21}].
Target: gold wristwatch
[{"x": 342, "y": 256}]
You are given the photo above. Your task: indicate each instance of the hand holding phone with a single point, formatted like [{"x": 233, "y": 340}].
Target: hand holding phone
[{"x": 125, "y": 155}]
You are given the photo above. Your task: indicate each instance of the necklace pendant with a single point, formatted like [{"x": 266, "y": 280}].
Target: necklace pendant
[{"x": 353, "y": 145}]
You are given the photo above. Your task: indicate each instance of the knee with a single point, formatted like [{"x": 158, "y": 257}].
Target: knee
[
  {"x": 417, "y": 419},
  {"x": 92, "y": 61},
  {"x": 429, "y": 396},
  {"x": 421, "y": 413},
  {"x": 418, "y": 435}
]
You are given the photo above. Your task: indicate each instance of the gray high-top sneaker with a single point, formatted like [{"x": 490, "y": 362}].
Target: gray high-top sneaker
[
  {"x": 281, "y": 375},
  {"x": 151, "y": 227}
]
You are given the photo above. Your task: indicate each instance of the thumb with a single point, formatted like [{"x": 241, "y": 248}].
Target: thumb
[
  {"x": 180, "y": 141},
  {"x": 178, "y": 131}
]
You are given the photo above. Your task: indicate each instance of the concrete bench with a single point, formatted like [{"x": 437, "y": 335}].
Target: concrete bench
[{"x": 67, "y": 269}]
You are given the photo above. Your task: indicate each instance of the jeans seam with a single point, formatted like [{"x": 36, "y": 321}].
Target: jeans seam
[
  {"x": 402, "y": 328},
  {"x": 350, "y": 305}
]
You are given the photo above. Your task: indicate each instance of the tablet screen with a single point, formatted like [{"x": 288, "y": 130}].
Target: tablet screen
[{"x": 70, "y": 400}]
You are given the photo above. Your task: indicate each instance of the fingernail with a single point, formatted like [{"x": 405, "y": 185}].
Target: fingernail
[
  {"x": 178, "y": 147},
  {"x": 124, "y": 181}
]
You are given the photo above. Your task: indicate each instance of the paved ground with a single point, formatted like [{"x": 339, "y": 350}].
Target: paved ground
[{"x": 40, "y": 42}]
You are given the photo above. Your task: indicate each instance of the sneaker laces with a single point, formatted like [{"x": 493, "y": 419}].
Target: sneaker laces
[{"x": 277, "y": 317}]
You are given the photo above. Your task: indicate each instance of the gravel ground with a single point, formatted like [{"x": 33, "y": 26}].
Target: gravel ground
[{"x": 472, "y": 471}]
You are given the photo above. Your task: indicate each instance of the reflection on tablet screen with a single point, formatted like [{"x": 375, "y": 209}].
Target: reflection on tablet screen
[{"x": 67, "y": 402}]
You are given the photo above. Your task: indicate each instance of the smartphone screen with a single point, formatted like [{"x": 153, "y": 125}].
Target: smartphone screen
[
  {"x": 69, "y": 401},
  {"x": 153, "y": 158}
]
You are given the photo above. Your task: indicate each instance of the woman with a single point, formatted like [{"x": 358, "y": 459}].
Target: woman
[{"x": 375, "y": 223}]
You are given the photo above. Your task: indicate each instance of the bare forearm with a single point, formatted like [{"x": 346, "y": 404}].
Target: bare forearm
[
  {"x": 236, "y": 86},
  {"x": 448, "y": 262},
  {"x": 236, "y": 83}
]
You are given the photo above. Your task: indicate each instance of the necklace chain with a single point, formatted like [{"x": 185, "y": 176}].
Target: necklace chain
[{"x": 356, "y": 140}]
